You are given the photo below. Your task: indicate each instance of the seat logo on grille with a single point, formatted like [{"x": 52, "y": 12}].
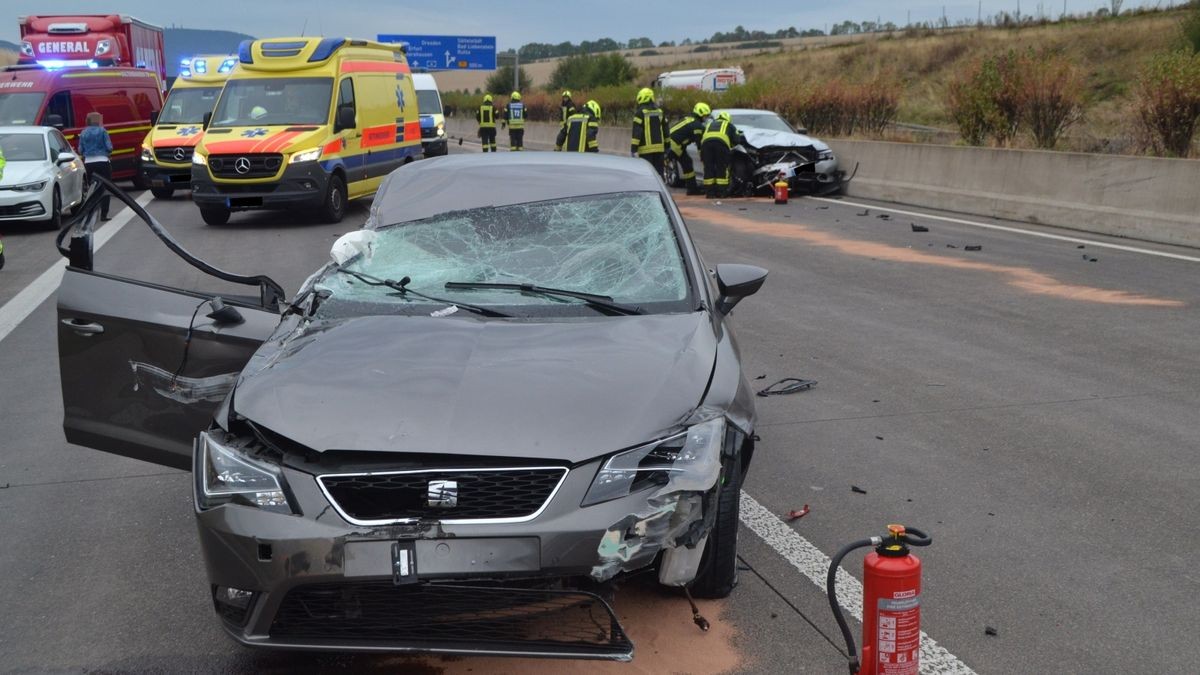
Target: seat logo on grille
[
  {"x": 442, "y": 494},
  {"x": 180, "y": 154},
  {"x": 241, "y": 165}
]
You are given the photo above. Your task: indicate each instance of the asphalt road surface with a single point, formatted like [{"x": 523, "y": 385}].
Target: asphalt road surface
[{"x": 1034, "y": 410}]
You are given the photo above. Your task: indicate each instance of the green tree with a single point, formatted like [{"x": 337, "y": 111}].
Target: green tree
[
  {"x": 587, "y": 71},
  {"x": 501, "y": 81}
]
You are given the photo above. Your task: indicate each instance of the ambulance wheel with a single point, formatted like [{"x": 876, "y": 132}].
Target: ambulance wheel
[
  {"x": 214, "y": 215},
  {"x": 719, "y": 566},
  {"x": 139, "y": 181},
  {"x": 162, "y": 191},
  {"x": 334, "y": 207}
]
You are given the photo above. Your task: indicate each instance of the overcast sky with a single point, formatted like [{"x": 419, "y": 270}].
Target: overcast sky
[{"x": 517, "y": 22}]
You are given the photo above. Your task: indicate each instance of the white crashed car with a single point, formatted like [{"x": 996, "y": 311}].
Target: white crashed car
[
  {"x": 774, "y": 148},
  {"x": 43, "y": 177}
]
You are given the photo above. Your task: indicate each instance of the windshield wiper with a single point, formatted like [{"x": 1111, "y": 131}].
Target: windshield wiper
[
  {"x": 590, "y": 299},
  {"x": 402, "y": 288}
]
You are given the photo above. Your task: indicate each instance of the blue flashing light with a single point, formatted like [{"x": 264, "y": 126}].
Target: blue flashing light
[
  {"x": 185, "y": 62},
  {"x": 93, "y": 65},
  {"x": 244, "y": 54},
  {"x": 185, "y": 73},
  {"x": 227, "y": 65},
  {"x": 325, "y": 48},
  {"x": 51, "y": 65},
  {"x": 200, "y": 66}
]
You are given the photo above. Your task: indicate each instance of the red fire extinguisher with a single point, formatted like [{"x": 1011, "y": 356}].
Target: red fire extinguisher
[
  {"x": 781, "y": 190},
  {"x": 891, "y": 603}
]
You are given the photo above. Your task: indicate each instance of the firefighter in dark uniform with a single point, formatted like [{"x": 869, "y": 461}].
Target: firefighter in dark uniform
[
  {"x": 514, "y": 115},
  {"x": 649, "y": 131},
  {"x": 486, "y": 116},
  {"x": 579, "y": 133},
  {"x": 567, "y": 108},
  {"x": 716, "y": 150},
  {"x": 685, "y": 132}
]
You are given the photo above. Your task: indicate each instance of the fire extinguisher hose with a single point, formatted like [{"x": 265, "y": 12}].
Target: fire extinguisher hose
[{"x": 831, "y": 593}]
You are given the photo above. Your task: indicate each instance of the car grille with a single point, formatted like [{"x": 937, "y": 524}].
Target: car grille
[
  {"x": 772, "y": 155},
  {"x": 22, "y": 210},
  {"x": 428, "y": 132},
  {"x": 174, "y": 154},
  {"x": 445, "y": 617},
  {"x": 481, "y": 494},
  {"x": 260, "y": 165}
]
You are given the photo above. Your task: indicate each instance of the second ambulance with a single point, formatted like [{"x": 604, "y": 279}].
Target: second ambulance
[{"x": 306, "y": 124}]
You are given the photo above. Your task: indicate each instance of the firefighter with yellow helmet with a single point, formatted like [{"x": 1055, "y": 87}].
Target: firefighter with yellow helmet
[
  {"x": 683, "y": 133},
  {"x": 649, "y": 130}
]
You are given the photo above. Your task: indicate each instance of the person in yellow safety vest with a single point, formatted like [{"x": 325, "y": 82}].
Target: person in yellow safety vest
[
  {"x": 649, "y": 131},
  {"x": 685, "y": 132},
  {"x": 486, "y": 116},
  {"x": 567, "y": 108},
  {"x": 579, "y": 134},
  {"x": 716, "y": 150},
  {"x": 514, "y": 115}
]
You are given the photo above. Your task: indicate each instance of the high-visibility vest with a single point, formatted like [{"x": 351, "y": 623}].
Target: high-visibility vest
[
  {"x": 487, "y": 116},
  {"x": 516, "y": 115},
  {"x": 652, "y": 138},
  {"x": 578, "y": 127},
  {"x": 717, "y": 130}
]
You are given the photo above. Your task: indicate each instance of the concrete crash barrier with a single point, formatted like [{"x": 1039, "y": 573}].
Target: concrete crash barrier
[
  {"x": 1138, "y": 197},
  {"x": 1144, "y": 198}
]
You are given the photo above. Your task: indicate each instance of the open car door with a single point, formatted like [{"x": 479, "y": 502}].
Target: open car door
[{"x": 144, "y": 367}]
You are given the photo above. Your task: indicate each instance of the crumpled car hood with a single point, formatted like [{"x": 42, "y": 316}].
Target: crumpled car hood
[
  {"x": 561, "y": 390},
  {"x": 764, "y": 138}
]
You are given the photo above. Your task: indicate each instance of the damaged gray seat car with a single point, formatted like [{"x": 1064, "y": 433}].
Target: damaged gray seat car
[{"x": 498, "y": 398}]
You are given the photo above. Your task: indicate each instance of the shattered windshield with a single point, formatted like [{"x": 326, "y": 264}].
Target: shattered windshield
[{"x": 622, "y": 246}]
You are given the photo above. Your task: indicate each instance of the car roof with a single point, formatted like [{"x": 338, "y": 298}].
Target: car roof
[
  {"x": 458, "y": 182},
  {"x": 424, "y": 81},
  {"x": 745, "y": 111},
  {"x": 24, "y": 129}
]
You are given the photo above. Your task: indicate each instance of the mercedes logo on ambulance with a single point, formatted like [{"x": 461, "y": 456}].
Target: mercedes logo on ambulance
[
  {"x": 180, "y": 154},
  {"x": 241, "y": 165}
]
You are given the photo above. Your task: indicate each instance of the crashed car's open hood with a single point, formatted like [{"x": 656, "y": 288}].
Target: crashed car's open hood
[
  {"x": 564, "y": 390},
  {"x": 764, "y": 138}
]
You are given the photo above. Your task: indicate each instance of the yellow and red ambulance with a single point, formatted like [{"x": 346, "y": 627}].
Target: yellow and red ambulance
[
  {"x": 166, "y": 162},
  {"x": 306, "y": 124}
]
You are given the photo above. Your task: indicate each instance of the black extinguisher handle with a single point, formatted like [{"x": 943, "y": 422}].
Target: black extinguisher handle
[{"x": 915, "y": 537}]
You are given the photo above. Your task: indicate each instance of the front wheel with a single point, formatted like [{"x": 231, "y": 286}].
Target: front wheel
[
  {"x": 334, "y": 207},
  {"x": 214, "y": 215},
  {"x": 54, "y": 222},
  {"x": 162, "y": 191},
  {"x": 671, "y": 173},
  {"x": 718, "y": 567}
]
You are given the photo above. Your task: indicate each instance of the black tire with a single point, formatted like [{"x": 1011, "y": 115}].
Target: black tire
[
  {"x": 333, "y": 209},
  {"x": 162, "y": 191},
  {"x": 214, "y": 215},
  {"x": 719, "y": 565},
  {"x": 54, "y": 222},
  {"x": 671, "y": 173}
]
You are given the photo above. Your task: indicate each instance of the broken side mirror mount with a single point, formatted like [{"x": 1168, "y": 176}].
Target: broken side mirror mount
[
  {"x": 223, "y": 314},
  {"x": 737, "y": 282}
]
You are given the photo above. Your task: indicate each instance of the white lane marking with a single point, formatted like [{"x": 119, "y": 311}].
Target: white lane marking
[
  {"x": 1014, "y": 230},
  {"x": 814, "y": 564},
  {"x": 22, "y": 304}
]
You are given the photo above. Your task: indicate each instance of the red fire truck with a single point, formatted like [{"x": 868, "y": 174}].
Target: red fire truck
[{"x": 92, "y": 41}]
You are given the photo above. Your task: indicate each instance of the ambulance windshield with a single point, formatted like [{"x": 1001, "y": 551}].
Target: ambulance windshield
[
  {"x": 188, "y": 106},
  {"x": 274, "y": 101}
]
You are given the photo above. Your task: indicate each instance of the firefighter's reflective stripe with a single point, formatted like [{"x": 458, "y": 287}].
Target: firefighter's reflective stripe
[
  {"x": 717, "y": 130},
  {"x": 516, "y": 115},
  {"x": 579, "y": 137},
  {"x": 650, "y": 139},
  {"x": 487, "y": 116}
]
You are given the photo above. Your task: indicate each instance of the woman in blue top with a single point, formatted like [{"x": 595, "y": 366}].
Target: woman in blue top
[{"x": 96, "y": 148}]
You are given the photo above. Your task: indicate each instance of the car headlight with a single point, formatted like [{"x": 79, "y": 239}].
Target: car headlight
[
  {"x": 441, "y": 130},
  {"x": 824, "y": 155},
  {"x": 306, "y": 156},
  {"x": 147, "y": 155},
  {"x": 103, "y": 47},
  {"x": 198, "y": 158},
  {"x": 690, "y": 461},
  {"x": 30, "y": 187},
  {"x": 228, "y": 475}
]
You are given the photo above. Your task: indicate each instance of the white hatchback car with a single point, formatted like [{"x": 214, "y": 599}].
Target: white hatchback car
[{"x": 43, "y": 177}]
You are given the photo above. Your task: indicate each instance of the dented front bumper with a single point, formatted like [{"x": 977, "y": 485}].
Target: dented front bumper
[{"x": 265, "y": 556}]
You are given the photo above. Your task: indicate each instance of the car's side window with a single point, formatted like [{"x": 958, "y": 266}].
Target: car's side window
[
  {"x": 57, "y": 144},
  {"x": 346, "y": 93},
  {"x": 60, "y": 105}
]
